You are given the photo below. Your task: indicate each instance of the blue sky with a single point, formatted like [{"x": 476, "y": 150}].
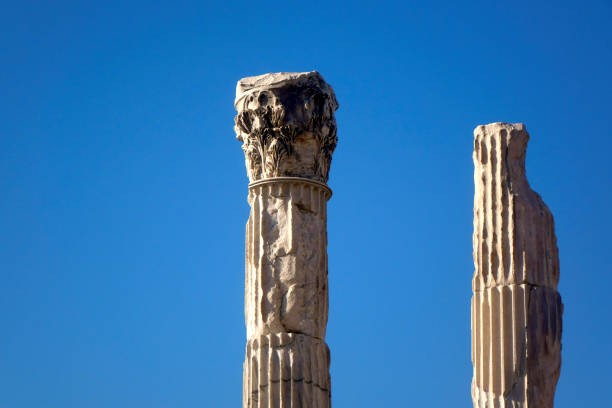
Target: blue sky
[{"x": 123, "y": 191}]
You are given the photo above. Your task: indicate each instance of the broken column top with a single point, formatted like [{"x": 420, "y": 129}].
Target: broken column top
[
  {"x": 528, "y": 253},
  {"x": 511, "y": 146},
  {"x": 287, "y": 125},
  {"x": 514, "y": 130}
]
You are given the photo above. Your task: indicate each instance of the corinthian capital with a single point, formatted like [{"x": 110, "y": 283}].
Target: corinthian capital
[{"x": 286, "y": 124}]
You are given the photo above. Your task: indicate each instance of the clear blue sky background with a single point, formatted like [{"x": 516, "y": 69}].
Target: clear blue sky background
[{"x": 123, "y": 191}]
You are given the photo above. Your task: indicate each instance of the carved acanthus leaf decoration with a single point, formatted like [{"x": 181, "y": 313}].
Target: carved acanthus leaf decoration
[{"x": 286, "y": 125}]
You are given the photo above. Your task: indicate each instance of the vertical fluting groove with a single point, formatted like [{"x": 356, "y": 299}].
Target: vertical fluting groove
[
  {"x": 481, "y": 242},
  {"x": 515, "y": 324},
  {"x": 254, "y": 379},
  {"x": 474, "y": 331},
  {"x": 261, "y": 380},
  {"x": 519, "y": 243},
  {"x": 493, "y": 265},
  {"x": 496, "y": 341},
  {"x": 307, "y": 374},
  {"x": 509, "y": 243},
  {"x": 259, "y": 296},
  {"x": 248, "y": 258},
  {"x": 247, "y": 275},
  {"x": 504, "y": 247},
  {"x": 323, "y": 197},
  {"x": 315, "y": 373},
  {"x": 246, "y": 386},
  {"x": 497, "y": 304},
  {"x": 515, "y": 309},
  {"x": 480, "y": 346},
  {"x": 290, "y": 207},
  {"x": 491, "y": 220},
  {"x": 486, "y": 358},
  {"x": 531, "y": 263},
  {"x": 314, "y": 193},
  {"x": 286, "y": 373},
  {"x": 254, "y": 250},
  {"x": 274, "y": 377},
  {"x": 294, "y": 375},
  {"x": 251, "y": 269}
]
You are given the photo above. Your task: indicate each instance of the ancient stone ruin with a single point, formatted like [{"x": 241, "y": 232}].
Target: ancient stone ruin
[
  {"x": 516, "y": 309},
  {"x": 286, "y": 124},
  {"x": 288, "y": 132}
]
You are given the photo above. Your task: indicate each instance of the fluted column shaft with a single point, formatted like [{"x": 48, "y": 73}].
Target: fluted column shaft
[
  {"x": 516, "y": 309},
  {"x": 287, "y": 126},
  {"x": 287, "y": 360}
]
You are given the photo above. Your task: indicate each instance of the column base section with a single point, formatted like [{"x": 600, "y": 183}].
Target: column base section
[
  {"x": 286, "y": 370},
  {"x": 516, "y": 346}
]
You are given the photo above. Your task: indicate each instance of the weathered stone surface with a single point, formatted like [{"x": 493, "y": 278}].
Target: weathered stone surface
[
  {"x": 287, "y": 126},
  {"x": 516, "y": 309},
  {"x": 286, "y": 258},
  {"x": 286, "y": 370}
]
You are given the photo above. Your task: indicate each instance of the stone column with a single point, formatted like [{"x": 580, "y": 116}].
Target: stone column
[
  {"x": 516, "y": 309},
  {"x": 287, "y": 128}
]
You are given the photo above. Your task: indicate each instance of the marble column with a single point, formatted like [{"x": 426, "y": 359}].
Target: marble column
[
  {"x": 516, "y": 309},
  {"x": 286, "y": 124}
]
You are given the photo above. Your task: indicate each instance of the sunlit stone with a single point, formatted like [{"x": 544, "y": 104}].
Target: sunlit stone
[
  {"x": 516, "y": 309},
  {"x": 286, "y": 124}
]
